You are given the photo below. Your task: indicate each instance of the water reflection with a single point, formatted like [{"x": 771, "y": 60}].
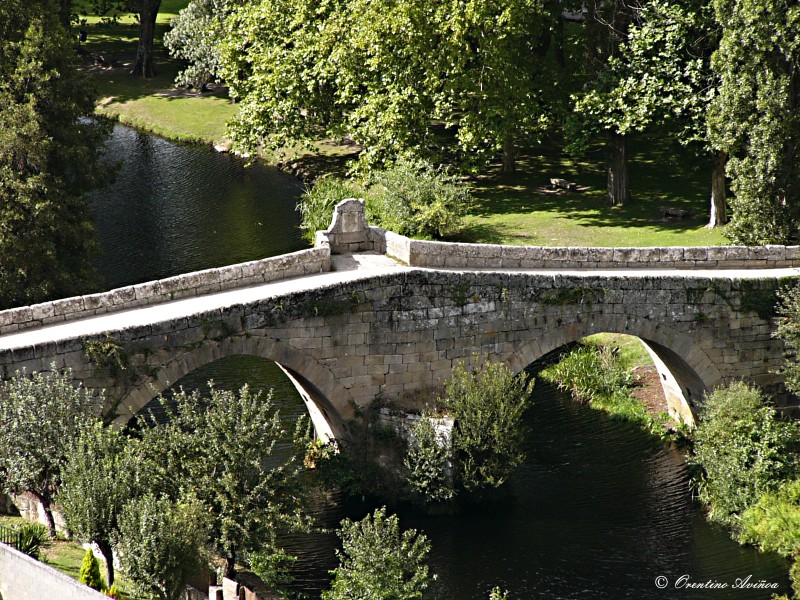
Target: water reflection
[{"x": 176, "y": 208}]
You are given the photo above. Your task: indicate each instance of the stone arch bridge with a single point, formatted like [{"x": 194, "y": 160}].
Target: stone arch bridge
[{"x": 369, "y": 313}]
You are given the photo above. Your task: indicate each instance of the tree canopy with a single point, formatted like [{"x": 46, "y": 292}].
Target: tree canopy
[
  {"x": 41, "y": 417},
  {"x": 50, "y": 156},
  {"x": 755, "y": 117}
]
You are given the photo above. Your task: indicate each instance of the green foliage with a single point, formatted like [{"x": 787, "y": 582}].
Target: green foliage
[
  {"x": 272, "y": 567},
  {"x": 223, "y": 443},
  {"x": 50, "y": 155},
  {"x": 789, "y": 331},
  {"x": 381, "y": 72},
  {"x": 317, "y": 204},
  {"x": 378, "y": 562},
  {"x": 590, "y": 372},
  {"x": 429, "y": 461},
  {"x": 107, "y": 353},
  {"x": 414, "y": 198},
  {"x": 487, "y": 406},
  {"x": 160, "y": 542},
  {"x": 30, "y": 537},
  {"x": 113, "y": 592},
  {"x": 98, "y": 479},
  {"x": 773, "y": 523},
  {"x": 754, "y": 117},
  {"x": 40, "y": 418},
  {"x": 743, "y": 450},
  {"x": 90, "y": 572},
  {"x": 194, "y": 36},
  {"x": 497, "y": 593}
]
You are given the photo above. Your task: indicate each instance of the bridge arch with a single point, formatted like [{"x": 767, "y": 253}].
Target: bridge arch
[
  {"x": 685, "y": 370},
  {"x": 328, "y": 403}
]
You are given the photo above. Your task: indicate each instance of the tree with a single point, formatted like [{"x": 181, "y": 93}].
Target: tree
[
  {"x": 605, "y": 32},
  {"x": 663, "y": 77},
  {"x": 380, "y": 72},
  {"x": 743, "y": 450},
  {"x": 147, "y": 11},
  {"x": 755, "y": 117},
  {"x": 160, "y": 544},
  {"x": 377, "y": 561},
  {"x": 97, "y": 482},
  {"x": 487, "y": 406},
  {"x": 40, "y": 418},
  {"x": 788, "y": 330},
  {"x": 224, "y": 445},
  {"x": 195, "y": 36},
  {"x": 50, "y": 155}
]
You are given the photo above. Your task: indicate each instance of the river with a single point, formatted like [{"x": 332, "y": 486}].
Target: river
[{"x": 598, "y": 510}]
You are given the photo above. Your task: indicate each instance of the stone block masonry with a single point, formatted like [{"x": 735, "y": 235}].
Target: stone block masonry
[{"x": 295, "y": 264}]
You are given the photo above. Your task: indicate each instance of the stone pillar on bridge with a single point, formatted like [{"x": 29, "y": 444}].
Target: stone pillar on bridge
[{"x": 348, "y": 231}]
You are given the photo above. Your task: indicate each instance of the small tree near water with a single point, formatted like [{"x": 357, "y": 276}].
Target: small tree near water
[
  {"x": 488, "y": 405},
  {"x": 378, "y": 561}
]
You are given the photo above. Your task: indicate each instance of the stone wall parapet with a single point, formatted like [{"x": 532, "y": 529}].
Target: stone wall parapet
[
  {"x": 294, "y": 264},
  {"x": 423, "y": 253}
]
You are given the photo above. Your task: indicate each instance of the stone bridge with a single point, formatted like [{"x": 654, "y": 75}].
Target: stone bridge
[{"x": 368, "y": 313}]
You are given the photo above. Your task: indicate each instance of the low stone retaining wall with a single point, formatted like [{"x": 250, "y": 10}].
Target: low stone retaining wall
[
  {"x": 24, "y": 578},
  {"x": 295, "y": 264}
]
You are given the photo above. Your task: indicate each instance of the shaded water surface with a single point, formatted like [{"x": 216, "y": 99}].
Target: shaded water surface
[{"x": 598, "y": 510}]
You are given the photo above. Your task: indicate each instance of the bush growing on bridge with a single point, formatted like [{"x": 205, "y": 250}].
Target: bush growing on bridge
[
  {"x": 743, "y": 450},
  {"x": 429, "y": 461},
  {"x": 317, "y": 204},
  {"x": 487, "y": 405}
]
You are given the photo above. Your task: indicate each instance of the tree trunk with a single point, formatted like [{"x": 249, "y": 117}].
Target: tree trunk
[
  {"x": 65, "y": 12},
  {"x": 108, "y": 554},
  {"x": 618, "y": 190},
  {"x": 719, "y": 205},
  {"x": 44, "y": 500},
  {"x": 509, "y": 154},
  {"x": 145, "y": 64},
  {"x": 230, "y": 567}
]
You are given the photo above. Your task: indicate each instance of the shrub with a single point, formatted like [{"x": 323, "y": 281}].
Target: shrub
[
  {"x": 113, "y": 592},
  {"x": 429, "y": 461},
  {"x": 317, "y": 204},
  {"x": 31, "y": 537},
  {"x": 90, "y": 572},
  {"x": 773, "y": 523},
  {"x": 487, "y": 406},
  {"x": 590, "y": 372},
  {"x": 378, "y": 561},
  {"x": 743, "y": 450},
  {"x": 415, "y": 198}
]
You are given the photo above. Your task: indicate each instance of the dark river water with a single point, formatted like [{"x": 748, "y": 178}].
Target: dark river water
[{"x": 598, "y": 510}]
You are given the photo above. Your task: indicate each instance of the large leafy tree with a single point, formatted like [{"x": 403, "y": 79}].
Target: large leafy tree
[
  {"x": 97, "y": 482},
  {"x": 195, "y": 36},
  {"x": 662, "y": 77},
  {"x": 224, "y": 445},
  {"x": 599, "y": 109},
  {"x": 50, "y": 155},
  {"x": 40, "y": 418},
  {"x": 755, "y": 117},
  {"x": 382, "y": 72}
]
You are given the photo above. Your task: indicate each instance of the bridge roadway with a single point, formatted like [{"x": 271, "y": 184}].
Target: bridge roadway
[{"x": 346, "y": 268}]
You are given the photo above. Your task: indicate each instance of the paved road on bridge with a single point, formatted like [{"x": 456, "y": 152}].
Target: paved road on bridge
[{"x": 348, "y": 267}]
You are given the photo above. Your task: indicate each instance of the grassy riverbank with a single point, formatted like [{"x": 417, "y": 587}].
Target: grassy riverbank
[{"x": 510, "y": 209}]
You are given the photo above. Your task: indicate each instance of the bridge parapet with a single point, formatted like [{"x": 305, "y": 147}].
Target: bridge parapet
[
  {"x": 295, "y": 264},
  {"x": 357, "y": 235}
]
